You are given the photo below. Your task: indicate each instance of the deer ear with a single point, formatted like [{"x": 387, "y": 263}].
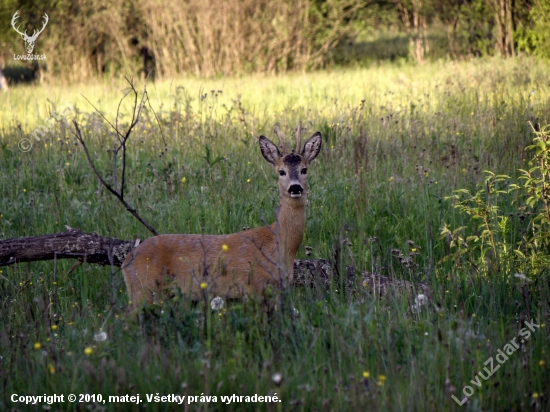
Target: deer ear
[
  {"x": 312, "y": 148},
  {"x": 270, "y": 151}
]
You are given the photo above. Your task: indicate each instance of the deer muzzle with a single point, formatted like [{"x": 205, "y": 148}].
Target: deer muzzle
[{"x": 295, "y": 190}]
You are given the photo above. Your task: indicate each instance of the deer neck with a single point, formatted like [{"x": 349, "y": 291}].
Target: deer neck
[{"x": 289, "y": 229}]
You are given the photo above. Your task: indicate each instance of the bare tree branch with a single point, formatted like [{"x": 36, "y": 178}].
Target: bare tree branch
[{"x": 119, "y": 194}]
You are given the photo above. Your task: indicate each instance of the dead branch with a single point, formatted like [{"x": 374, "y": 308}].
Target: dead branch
[{"x": 122, "y": 140}]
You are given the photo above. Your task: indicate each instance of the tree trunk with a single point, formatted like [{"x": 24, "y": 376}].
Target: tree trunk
[
  {"x": 504, "y": 20},
  {"x": 416, "y": 27}
]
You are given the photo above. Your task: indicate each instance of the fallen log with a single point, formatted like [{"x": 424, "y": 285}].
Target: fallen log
[{"x": 72, "y": 244}]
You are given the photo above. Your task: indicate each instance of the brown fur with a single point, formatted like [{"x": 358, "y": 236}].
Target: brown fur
[{"x": 234, "y": 265}]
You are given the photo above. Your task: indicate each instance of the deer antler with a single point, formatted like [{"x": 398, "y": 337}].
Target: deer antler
[
  {"x": 47, "y": 19},
  {"x": 299, "y": 137},
  {"x": 13, "y": 21},
  {"x": 279, "y": 135}
]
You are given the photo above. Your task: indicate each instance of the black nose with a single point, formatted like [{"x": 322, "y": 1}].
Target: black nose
[{"x": 295, "y": 190}]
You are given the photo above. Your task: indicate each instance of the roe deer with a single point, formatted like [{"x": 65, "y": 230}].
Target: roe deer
[{"x": 235, "y": 265}]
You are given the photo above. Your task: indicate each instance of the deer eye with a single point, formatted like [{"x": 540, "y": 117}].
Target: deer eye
[
  {"x": 304, "y": 171},
  {"x": 282, "y": 173}
]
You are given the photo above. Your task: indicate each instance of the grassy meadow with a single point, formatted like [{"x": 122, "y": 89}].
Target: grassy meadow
[{"x": 398, "y": 141}]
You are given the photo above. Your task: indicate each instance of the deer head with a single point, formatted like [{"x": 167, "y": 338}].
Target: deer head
[
  {"x": 29, "y": 40},
  {"x": 291, "y": 167}
]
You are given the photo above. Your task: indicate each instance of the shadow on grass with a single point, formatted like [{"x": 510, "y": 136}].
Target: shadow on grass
[
  {"x": 20, "y": 73},
  {"x": 385, "y": 47}
]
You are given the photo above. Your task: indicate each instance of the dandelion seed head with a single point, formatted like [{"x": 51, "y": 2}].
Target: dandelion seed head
[
  {"x": 100, "y": 336},
  {"x": 421, "y": 299},
  {"x": 217, "y": 303},
  {"x": 277, "y": 378}
]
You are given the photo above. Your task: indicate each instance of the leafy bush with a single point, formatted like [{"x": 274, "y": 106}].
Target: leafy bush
[
  {"x": 536, "y": 38},
  {"x": 498, "y": 243}
]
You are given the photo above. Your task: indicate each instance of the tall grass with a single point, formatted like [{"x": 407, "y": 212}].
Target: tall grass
[{"x": 397, "y": 141}]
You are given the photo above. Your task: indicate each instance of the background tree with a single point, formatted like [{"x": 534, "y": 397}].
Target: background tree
[{"x": 86, "y": 39}]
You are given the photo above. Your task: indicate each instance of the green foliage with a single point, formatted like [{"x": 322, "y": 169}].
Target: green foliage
[
  {"x": 534, "y": 37},
  {"x": 475, "y": 27},
  {"x": 488, "y": 245},
  {"x": 533, "y": 193},
  {"x": 208, "y": 157},
  {"x": 498, "y": 245}
]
